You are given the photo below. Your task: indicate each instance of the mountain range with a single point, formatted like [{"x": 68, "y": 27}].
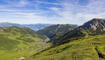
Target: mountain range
[
  {"x": 31, "y": 26},
  {"x": 86, "y": 42},
  {"x": 17, "y": 41},
  {"x": 95, "y": 26},
  {"x": 54, "y": 42},
  {"x": 55, "y": 31}
]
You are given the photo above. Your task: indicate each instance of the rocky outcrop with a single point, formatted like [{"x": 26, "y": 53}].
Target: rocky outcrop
[{"x": 94, "y": 24}]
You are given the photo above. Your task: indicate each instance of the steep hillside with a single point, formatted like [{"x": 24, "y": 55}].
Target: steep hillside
[
  {"x": 31, "y": 26},
  {"x": 18, "y": 42},
  {"x": 91, "y": 48},
  {"x": 86, "y": 42},
  {"x": 93, "y": 27},
  {"x": 55, "y": 31},
  {"x": 95, "y": 24}
]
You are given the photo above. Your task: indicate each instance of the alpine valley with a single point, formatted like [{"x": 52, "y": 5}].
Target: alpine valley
[
  {"x": 53, "y": 41},
  {"x": 86, "y": 42}
]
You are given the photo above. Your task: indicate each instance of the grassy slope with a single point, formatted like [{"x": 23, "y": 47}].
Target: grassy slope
[
  {"x": 55, "y": 31},
  {"x": 91, "y": 48},
  {"x": 17, "y": 42}
]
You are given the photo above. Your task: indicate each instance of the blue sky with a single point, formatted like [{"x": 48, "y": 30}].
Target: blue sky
[{"x": 51, "y": 11}]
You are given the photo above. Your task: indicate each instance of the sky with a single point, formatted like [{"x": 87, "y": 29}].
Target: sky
[{"x": 51, "y": 11}]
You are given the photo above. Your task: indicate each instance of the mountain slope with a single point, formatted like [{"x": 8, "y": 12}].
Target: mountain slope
[
  {"x": 93, "y": 27},
  {"x": 55, "y": 31},
  {"x": 82, "y": 43},
  {"x": 17, "y": 42},
  {"x": 91, "y": 48},
  {"x": 95, "y": 24}
]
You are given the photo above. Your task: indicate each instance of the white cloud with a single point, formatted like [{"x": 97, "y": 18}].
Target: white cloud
[
  {"x": 76, "y": 12},
  {"x": 23, "y": 3},
  {"x": 45, "y": 2},
  {"x": 68, "y": 12}
]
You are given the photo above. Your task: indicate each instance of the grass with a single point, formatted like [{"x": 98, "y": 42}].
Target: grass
[
  {"x": 18, "y": 42},
  {"x": 82, "y": 49}
]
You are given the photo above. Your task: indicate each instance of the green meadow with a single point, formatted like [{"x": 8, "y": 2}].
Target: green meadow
[
  {"x": 91, "y": 48},
  {"x": 18, "y": 42}
]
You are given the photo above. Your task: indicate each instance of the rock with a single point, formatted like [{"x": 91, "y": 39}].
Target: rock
[
  {"x": 94, "y": 24},
  {"x": 22, "y": 58}
]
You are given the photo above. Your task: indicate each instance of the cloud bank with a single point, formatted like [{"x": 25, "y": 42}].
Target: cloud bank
[{"x": 51, "y": 11}]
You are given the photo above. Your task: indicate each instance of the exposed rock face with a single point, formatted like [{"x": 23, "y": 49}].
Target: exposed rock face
[{"x": 95, "y": 24}]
